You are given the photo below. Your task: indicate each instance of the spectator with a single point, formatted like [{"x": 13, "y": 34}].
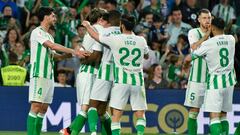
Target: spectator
[
  {"x": 10, "y": 3},
  {"x": 182, "y": 48},
  {"x": 100, "y": 4},
  {"x": 190, "y": 11},
  {"x": 130, "y": 8},
  {"x": 13, "y": 75},
  {"x": 185, "y": 72},
  {"x": 154, "y": 7},
  {"x": 22, "y": 53},
  {"x": 145, "y": 25},
  {"x": 177, "y": 27},
  {"x": 155, "y": 79},
  {"x": 111, "y": 5},
  {"x": 158, "y": 31},
  {"x": 12, "y": 37},
  {"x": 174, "y": 71},
  {"x": 225, "y": 11},
  {"x": 62, "y": 79}
]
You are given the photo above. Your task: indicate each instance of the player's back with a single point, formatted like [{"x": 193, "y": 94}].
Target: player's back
[
  {"x": 220, "y": 57},
  {"x": 128, "y": 52}
]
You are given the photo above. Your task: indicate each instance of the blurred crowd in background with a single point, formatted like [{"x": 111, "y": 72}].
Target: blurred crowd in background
[{"x": 164, "y": 24}]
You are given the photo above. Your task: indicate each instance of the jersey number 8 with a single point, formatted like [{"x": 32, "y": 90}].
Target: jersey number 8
[{"x": 224, "y": 57}]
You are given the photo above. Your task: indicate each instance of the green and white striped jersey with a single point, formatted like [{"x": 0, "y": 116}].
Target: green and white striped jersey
[
  {"x": 88, "y": 43},
  {"x": 128, "y": 52},
  {"x": 198, "y": 71},
  {"x": 41, "y": 57},
  {"x": 219, "y": 54},
  {"x": 105, "y": 71}
]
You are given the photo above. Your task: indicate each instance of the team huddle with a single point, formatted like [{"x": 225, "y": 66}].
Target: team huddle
[{"x": 111, "y": 73}]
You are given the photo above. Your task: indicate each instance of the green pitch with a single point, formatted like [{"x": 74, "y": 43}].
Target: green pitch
[{"x": 51, "y": 133}]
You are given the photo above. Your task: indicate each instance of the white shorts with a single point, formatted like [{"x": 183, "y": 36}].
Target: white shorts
[
  {"x": 84, "y": 85},
  {"x": 195, "y": 94},
  {"x": 218, "y": 100},
  {"x": 41, "y": 90},
  {"x": 101, "y": 90},
  {"x": 122, "y": 92}
]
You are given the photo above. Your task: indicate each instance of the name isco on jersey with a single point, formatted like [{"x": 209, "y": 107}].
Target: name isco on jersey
[{"x": 220, "y": 43}]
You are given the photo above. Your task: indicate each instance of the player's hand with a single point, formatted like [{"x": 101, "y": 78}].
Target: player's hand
[
  {"x": 82, "y": 54},
  {"x": 86, "y": 23},
  {"x": 207, "y": 34}
]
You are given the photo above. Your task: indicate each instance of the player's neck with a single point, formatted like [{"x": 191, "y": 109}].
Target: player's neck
[
  {"x": 204, "y": 30},
  {"x": 44, "y": 26},
  {"x": 127, "y": 32},
  {"x": 218, "y": 33}
]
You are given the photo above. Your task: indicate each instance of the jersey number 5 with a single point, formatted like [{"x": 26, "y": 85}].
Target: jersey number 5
[
  {"x": 126, "y": 53},
  {"x": 224, "y": 57}
]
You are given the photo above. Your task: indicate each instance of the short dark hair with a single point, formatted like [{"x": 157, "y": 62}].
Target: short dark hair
[
  {"x": 218, "y": 22},
  {"x": 62, "y": 71},
  {"x": 184, "y": 37},
  {"x": 204, "y": 10},
  {"x": 44, "y": 11},
  {"x": 112, "y": 2},
  {"x": 128, "y": 21},
  {"x": 176, "y": 8},
  {"x": 114, "y": 17},
  {"x": 13, "y": 58},
  {"x": 157, "y": 18},
  {"x": 95, "y": 14}
]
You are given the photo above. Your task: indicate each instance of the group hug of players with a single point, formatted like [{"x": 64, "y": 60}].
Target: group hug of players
[{"x": 111, "y": 73}]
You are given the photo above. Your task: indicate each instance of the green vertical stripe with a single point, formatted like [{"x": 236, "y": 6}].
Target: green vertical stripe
[
  {"x": 215, "y": 82},
  {"x": 85, "y": 68},
  {"x": 133, "y": 79},
  {"x": 230, "y": 79},
  {"x": 224, "y": 83},
  {"x": 199, "y": 71},
  {"x": 38, "y": 58},
  {"x": 45, "y": 70},
  {"x": 206, "y": 72},
  {"x": 91, "y": 69},
  {"x": 208, "y": 81},
  {"x": 108, "y": 68},
  {"x": 141, "y": 78},
  {"x": 100, "y": 72},
  {"x": 124, "y": 77},
  {"x": 116, "y": 77},
  {"x": 191, "y": 73}
]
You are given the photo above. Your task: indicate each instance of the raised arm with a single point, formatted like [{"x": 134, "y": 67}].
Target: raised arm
[
  {"x": 90, "y": 30},
  {"x": 195, "y": 45}
]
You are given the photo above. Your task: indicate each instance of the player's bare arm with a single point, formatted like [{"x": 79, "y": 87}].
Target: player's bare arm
[
  {"x": 60, "y": 48},
  {"x": 195, "y": 45},
  {"x": 90, "y": 30},
  {"x": 95, "y": 57}
]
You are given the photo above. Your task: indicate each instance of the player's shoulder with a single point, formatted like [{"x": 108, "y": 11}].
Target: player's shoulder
[{"x": 193, "y": 31}]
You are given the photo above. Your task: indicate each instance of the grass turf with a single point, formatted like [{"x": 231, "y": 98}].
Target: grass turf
[{"x": 52, "y": 133}]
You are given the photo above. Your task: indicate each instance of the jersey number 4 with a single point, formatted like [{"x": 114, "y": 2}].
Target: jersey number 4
[
  {"x": 126, "y": 53},
  {"x": 224, "y": 57}
]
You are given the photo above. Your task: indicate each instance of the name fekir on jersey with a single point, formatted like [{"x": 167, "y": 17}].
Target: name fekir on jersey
[
  {"x": 88, "y": 43},
  {"x": 106, "y": 67},
  {"x": 198, "y": 71},
  {"x": 128, "y": 52},
  {"x": 41, "y": 59},
  {"x": 219, "y": 54}
]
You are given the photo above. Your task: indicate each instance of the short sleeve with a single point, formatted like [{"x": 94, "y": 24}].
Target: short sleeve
[
  {"x": 192, "y": 38},
  {"x": 107, "y": 40},
  {"x": 97, "y": 47},
  {"x": 40, "y": 36}
]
